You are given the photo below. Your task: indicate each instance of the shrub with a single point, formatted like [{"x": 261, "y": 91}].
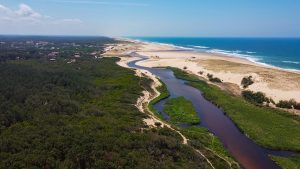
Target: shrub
[
  {"x": 297, "y": 106},
  {"x": 158, "y": 124},
  {"x": 288, "y": 104},
  {"x": 184, "y": 67},
  {"x": 284, "y": 104},
  {"x": 213, "y": 79},
  {"x": 247, "y": 81},
  {"x": 258, "y": 98},
  {"x": 216, "y": 80},
  {"x": 210, "y": 76}
]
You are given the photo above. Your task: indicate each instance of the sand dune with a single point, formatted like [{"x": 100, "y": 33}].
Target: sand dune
[{"x": 274, "y": 82}]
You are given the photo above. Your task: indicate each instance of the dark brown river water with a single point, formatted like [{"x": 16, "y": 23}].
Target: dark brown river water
[{"x": 243, "y": 149}]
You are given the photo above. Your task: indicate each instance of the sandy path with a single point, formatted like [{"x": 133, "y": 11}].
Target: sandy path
[{"x": 143, "y": 102}]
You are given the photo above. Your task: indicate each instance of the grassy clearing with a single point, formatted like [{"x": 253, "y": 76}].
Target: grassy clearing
[
  {"x": 268, "y": 127},
  {"x": 181, "y": 111},
  {"x": 288, "y": 163}
]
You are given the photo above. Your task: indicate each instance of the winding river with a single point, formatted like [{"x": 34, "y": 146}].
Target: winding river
[{"x": 243, "y": 149}]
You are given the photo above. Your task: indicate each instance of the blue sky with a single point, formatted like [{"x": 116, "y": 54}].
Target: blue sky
[{"x": 196, "y": 18}]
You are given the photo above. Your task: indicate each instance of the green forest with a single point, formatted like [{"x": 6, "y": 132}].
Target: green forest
[{"x": 81, "y": 115}]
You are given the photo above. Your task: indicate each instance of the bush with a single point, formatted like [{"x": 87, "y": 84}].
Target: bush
[
  {"x": 258, "y": 98},
  {"x": 247, "y": 81},
  {"x": 297, "y": 106},
  {"x": 210, "y": 76},
  {"x": 213, "y": 79},
  {"x": 158, "y": 124},
  {"x": 288, "y": 104}
]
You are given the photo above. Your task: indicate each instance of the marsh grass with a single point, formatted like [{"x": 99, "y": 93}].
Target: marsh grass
[
  {"x": 288, "y": 163},
  {"x": 181, "y": 111},
  {"x": 268, "y": 127}
]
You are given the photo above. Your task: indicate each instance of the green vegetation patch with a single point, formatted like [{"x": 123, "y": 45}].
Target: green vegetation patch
[
  {"x": 203, "y": 140},
  {"x": 164, "y": 93},
  {"x": 81, "y": 115},
  {"x": 181, "y": 111},
  {"x": 288, "y": 163},
  {"x": 268, "y": 127},
  {"x": 291, "y": 104},
  {"x": 256, "y": 97}
]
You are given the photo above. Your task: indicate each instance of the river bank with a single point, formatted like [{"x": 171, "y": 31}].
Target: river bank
[
  {"x": 261, "y": 128},
  {"x": 242, "y": 148},
  {"x": 211, "y": 149}
]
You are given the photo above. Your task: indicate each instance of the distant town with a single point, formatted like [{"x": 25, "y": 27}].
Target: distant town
[{"x": 50, "y": 48}]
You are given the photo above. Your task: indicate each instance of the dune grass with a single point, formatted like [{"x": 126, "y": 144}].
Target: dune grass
[
  {"x": 181, "y": 111},
  {"x": 268, "y": 127}
]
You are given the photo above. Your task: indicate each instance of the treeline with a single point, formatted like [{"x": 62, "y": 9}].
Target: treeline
[
  {"x": 81, "y": 115},
  {"x": 36, "y": 47}
]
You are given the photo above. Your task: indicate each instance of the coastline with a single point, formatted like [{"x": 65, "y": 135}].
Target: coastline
[
  {"x": 277, "y": 83},
  {"x": 132, "y": 48},
  {"x": 249, "y": 59}
]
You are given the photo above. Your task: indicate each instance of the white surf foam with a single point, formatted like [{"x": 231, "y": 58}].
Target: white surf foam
[
  {"x": 199, "y": 47},
  {"x": 293, "y": 62}
]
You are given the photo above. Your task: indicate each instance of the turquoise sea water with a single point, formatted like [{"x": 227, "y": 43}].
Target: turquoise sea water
[{"x": 279, "y": 52}]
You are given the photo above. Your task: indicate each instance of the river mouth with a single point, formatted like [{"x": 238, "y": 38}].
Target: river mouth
[{"x": 244, "y": 150}]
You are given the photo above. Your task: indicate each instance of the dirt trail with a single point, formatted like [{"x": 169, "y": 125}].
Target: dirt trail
[{"x": 148, "y": 96}]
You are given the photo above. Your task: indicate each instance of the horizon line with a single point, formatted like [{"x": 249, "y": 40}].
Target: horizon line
[{"x": 61, "y": 35}]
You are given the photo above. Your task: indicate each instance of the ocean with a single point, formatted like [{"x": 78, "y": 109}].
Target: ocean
[{"x": 279, "y": 52}]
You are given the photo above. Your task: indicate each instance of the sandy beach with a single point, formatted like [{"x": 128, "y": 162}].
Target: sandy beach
[{"x": 274, "y": 82}]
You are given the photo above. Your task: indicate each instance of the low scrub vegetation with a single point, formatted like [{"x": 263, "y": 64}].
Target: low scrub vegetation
[
  {"x": 256, "y": 97},
  {"x": 247, "y": 81},
  {"x": 202, "y": 139},
  {"x": 213, "y": 79},
  {"x": 291, "y": 104},
  {"x": 164, "y": 93}
]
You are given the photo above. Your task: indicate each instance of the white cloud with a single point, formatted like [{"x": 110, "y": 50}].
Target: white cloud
[
  {"x": 25, "y": 20},
  {"x": 26, "y": 14},
  {"x": 26, "y": 11}
]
